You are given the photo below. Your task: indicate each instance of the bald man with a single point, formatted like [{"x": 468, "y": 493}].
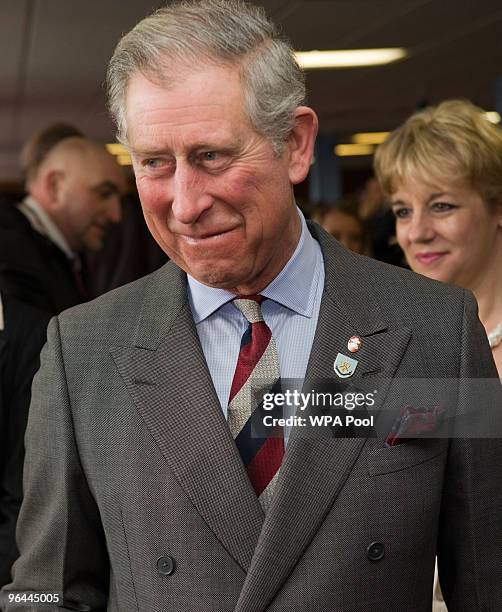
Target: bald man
[{"x": 73, "y": 196}]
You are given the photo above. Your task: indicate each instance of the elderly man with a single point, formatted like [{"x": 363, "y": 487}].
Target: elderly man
[
  {"x": 147, "y": 487},
  {"x": 73, "y": 195}
]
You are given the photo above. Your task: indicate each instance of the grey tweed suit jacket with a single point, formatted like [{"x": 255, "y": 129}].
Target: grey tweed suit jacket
[{"x": 136, "y": 499}]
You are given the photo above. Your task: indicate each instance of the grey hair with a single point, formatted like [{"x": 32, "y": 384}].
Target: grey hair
[{"x": 221, "y": 32}]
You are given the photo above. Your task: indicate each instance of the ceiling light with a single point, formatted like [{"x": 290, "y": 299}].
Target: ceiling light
[
  {"x": 124, "y": 160},
  {"x": 493, "y": 117},
  {"x": 374, "y": 138},
  {"x": 344, "y": 150},
  {"x": 116, "y": 148},
  {"x": 349, "y": 59}
]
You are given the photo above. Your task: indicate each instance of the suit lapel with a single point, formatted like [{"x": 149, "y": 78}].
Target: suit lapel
[
  {"x": 167, "y": 377},
  {"x": 315, "y": 469}
]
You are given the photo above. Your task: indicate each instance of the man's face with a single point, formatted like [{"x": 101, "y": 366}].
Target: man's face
[
  {"x": 90, "y": 197},
  {"x": 214, "y": 195}
]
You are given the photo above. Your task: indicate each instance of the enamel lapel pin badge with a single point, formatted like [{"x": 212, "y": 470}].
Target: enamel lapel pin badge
[
  {"x": 354, "y": 344},
  {"x": 344, "y": 366}
]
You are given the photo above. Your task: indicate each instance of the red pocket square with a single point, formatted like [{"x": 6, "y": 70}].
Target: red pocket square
[{"x": 413, "y": 422}]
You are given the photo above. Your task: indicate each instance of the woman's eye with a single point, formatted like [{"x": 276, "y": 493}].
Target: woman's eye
[
  {"x": 443, "y": 206},
  {"x": 401, "y": 213}
]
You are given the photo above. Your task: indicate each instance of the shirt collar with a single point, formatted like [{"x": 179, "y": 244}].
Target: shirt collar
[
  {"x": 43, "y": 224},
  {"x": 294, "y": 287}
]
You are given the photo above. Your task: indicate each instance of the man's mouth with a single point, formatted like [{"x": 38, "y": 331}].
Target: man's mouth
[{"x": 204, "y": 236}]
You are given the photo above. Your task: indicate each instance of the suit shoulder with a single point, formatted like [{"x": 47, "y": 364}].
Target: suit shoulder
[
  {"x": 406, "y": 281},
  {"x": 14, "y": 227},
  {"x": 409, "y": 293},
  {"x": 116, "y": 313},
  {"x": 125, "y": 297},
  {"x": 385, "y": 283},
  {"x": 400, "y": 295},
  {"x": 12, "y": 219}
]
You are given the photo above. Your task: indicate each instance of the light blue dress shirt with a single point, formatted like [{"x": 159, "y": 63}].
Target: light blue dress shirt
[{"x": 291, "y": 312}]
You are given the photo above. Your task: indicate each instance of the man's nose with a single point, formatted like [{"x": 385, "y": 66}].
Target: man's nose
[
  {"x": 189, "y": 199},
  {"x": 421, "y": 228},
  {"x": 114, "y": 210}
]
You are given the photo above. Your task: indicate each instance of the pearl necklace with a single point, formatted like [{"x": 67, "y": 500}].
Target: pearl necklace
[{"x": 495, "y": 336}]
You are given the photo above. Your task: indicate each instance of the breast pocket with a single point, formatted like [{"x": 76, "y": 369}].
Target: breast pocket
[{"x": 404, "y": 456}]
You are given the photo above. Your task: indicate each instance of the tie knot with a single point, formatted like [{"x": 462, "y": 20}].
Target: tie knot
[{"x": 250, "y": 307}]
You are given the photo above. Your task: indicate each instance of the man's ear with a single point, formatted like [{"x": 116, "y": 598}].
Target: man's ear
[
  {"x": 51, "y": 184},
  {"x": 300, "y": 143}
]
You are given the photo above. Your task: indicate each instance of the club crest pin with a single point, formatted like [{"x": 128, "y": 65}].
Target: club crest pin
[
  {"x": 345, "y": 366},
  {"x": 354, "y": 344}
]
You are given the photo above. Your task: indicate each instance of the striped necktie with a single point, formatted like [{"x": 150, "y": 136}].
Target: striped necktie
[{"x": 257, "y": 372}]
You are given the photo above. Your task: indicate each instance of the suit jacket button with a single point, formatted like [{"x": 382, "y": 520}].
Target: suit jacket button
[
  {"x": 165, "y": 565},
  {"x": 375, "y": 551}
]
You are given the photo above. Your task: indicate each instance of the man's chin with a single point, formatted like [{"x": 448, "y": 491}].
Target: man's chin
[
  {"x": 218, "y": 279},
  {"x": 93, "y": 245}
]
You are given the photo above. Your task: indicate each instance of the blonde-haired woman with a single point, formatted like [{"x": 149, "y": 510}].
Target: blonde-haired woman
[{"x": 442, "y": 173}]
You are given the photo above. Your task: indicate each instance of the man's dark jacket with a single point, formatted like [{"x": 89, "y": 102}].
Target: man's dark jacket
[
  {"x": 20, "y": 343},
  {"x": 32, "y": 268}
]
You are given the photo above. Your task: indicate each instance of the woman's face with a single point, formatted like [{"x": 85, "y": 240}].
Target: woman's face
[{"x": 447, "y": 232}]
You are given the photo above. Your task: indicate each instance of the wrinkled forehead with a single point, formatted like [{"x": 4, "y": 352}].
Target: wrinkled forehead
[
  {"x": 206, "y": 108},
  {"x": 211, "y": 95}
]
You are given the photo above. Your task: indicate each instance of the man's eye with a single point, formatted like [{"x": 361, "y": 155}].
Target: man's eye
[
  {"x": 106, "y": 190},
  {"x": 213, "y": 160},
  {"x": 152, "y": 163},
  {"x": 155, "y": 163}
]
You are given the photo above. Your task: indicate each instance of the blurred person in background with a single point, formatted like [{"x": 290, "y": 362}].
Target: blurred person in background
[
  {"x": 129, "y": 252},
  {"x": 39, "y": 145},
  {"x": 22, "y": 335},
  {"x": 73, "y": 194},
  {"x": 379, "y": 223},
  {"x": 442, "y": 172},
  {"x": 343, "y": 223}
]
